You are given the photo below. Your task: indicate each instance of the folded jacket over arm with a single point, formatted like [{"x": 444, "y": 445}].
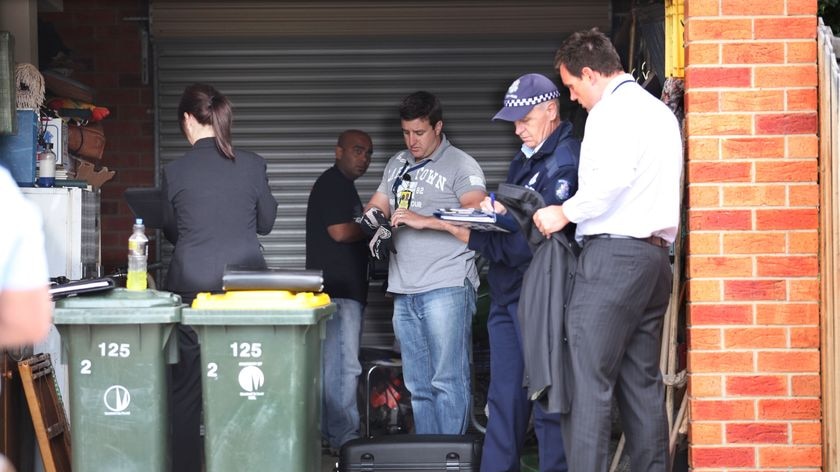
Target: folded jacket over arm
[{"x": 545, "y": 290}]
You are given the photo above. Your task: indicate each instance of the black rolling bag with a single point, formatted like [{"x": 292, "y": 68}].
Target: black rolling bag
[{"x": 414, "y": 452}]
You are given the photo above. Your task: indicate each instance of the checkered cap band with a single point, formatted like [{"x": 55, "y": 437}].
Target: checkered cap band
[{"x": 522, "y": 102}]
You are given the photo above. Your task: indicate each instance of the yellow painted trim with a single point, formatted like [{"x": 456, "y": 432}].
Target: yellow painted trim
[{"x": 675, "y": 38}]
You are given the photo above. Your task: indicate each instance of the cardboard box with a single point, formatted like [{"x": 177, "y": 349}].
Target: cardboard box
[{"x": 18, "y": 152}]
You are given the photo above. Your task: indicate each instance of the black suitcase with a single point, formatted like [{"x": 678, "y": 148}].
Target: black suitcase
[{"x": 414, "y": 452}]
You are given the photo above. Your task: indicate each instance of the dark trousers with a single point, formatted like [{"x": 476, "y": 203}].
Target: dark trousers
[
  {"x": 614, "y": 324},
  {"x": 509, "y": 406},
  {"x": 185, "y": 404}
]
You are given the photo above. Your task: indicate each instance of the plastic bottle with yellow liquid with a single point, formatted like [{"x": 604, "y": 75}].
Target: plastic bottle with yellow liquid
[{"x": 138, "y": 250}]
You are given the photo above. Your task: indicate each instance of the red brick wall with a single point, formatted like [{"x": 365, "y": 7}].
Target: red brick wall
[
  {"x": 107, "y": 50},
  {"x": 754, "y": 362}
]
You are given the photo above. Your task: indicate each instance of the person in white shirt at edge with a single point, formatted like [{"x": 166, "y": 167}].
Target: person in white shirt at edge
[
  {"x": 432, "y": 274},
  {"x": 627, "y": 212},
  {"x": 25, "y": 306}
]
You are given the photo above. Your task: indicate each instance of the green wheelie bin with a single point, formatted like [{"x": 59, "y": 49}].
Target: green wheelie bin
[
  {"x": 117, "y": 347},
  {"x": 261, "y": 380}
]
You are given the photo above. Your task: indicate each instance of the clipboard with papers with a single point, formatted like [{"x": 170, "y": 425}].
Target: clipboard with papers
[{"x": 471, "y": 218}]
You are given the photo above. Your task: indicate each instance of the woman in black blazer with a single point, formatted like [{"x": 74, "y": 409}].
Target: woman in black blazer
[{"x": 216, "y": 200}]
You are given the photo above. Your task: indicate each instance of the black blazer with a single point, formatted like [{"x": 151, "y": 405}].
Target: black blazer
[
  {"x": 546, "y": 288},
  {"x": 213, "y": 209}
]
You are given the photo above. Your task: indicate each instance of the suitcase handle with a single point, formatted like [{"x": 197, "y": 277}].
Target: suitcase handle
[
  {"x": 366, "y": 462},
  {"x": 453, "y": 461}
]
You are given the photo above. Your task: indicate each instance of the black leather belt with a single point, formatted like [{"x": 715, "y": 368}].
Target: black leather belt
[{"x": 652, "y": 240}]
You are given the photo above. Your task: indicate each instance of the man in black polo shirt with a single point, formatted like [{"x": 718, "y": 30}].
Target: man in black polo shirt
[{"x": 336, "y": 245}]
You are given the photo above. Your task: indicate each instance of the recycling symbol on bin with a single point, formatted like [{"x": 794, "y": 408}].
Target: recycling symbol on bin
[
  {"x": 117, "y": 398},
  {"x": 251, "y": 379}
]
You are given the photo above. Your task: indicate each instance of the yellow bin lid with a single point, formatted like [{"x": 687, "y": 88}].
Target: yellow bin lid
[{"x": 260, "y": 300}]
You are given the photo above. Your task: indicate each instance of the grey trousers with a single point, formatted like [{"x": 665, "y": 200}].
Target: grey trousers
[{"x": 614, "y": 326}]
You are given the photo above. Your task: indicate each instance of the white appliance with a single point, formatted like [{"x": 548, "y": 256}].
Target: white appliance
[{"x": 71, "y": 228}]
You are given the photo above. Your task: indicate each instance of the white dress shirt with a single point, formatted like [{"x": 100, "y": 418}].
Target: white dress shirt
[
  {"x": 23, "y": 260},
  {"x": 631, "y": 161}
]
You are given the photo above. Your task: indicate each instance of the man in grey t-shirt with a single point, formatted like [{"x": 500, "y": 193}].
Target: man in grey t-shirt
[{"x": 432, "y": 274}]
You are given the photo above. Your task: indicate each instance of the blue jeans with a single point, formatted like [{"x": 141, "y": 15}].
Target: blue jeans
[
  {"x": 435, "y": 330},
  {"x": 340, "y": 373}
]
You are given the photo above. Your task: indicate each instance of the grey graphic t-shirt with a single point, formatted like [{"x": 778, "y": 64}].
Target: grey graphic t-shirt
[{"x": 430, "y": 259}]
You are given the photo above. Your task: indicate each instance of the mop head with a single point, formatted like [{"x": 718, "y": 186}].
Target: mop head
[{"x": 30, "y": 86}]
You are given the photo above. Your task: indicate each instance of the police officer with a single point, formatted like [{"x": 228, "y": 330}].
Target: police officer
[{"x": 547, "y": 163}]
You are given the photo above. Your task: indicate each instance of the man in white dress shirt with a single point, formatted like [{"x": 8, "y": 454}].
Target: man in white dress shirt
[{"x": 627, "y": 210}]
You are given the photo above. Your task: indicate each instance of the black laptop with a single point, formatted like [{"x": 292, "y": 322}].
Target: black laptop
[{"x": 145, "y": 202}]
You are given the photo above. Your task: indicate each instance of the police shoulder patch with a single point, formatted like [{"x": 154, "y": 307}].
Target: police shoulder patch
[{"x": 562, "y": 189}]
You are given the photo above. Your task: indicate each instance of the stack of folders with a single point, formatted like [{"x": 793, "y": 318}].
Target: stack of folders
[{"x": 78, "y": 287}]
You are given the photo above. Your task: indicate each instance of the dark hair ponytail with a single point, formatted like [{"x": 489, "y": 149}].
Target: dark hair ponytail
[{"x": 209, "y": 107}]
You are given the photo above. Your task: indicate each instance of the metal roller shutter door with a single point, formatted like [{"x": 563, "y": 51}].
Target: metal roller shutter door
[
  {"x": 292, "y": 97},
  {"x": 368, "y": 18}
]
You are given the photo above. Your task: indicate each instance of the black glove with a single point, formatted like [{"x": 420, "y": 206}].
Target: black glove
[
  {"x": 372, "y": 220},
  {"x": 380, "y": 243}
]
